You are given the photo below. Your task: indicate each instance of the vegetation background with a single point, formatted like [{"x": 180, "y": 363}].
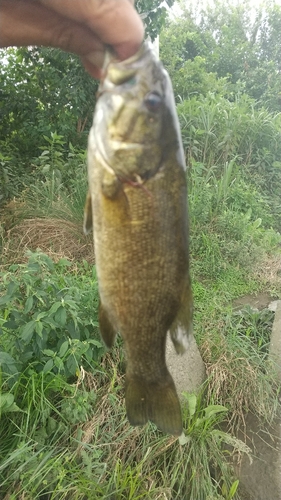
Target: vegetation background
[{"x": 63, "y": 432}]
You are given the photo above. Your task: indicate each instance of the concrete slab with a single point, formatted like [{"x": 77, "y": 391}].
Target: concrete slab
[
  {"x": 262, "y": 479},
  {"x": 188, "y": 369},
  {"x": 273, "y": 305}
]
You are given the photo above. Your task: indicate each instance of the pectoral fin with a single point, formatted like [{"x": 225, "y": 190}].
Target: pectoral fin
[
  {"x": 181, "y": 330},
  {"x": 108, "y": 331},
  {"x": 110, "y": 185},
  {"x": 88, "y": 215}
]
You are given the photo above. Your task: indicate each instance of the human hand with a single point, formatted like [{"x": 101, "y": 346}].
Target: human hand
[{"x": 84, "y": 27}]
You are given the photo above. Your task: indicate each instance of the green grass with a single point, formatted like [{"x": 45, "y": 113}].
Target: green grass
[
  {"x": 48, "y": 450},
  {"x": 234, "y": 346},
  {"x": 64, "y": 432},
  {"x": 71, "y": 440}
]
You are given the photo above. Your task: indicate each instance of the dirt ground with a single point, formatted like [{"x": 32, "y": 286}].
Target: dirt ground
[{"x": 260, "y": 301}]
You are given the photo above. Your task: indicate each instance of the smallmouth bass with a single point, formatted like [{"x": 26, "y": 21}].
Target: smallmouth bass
[{"x": 137, "y": 204}]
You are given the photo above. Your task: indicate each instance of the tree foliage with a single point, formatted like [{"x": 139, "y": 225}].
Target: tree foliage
[
  {"x": 44, "y": 90},
  {"x": 154, "y": 14},
  {"x": 220, "y": 53},
  {"x": 229, "y": 41}
]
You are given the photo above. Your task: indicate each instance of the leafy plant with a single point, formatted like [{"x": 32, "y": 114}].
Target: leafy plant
[
  {"x": 64, "y": 432},
  {"x": 7, "y": 403},
  {"x": 60, "y": 192},
  {"x": 206, "y": 473},
  {"x": 226, "y": 229},
  {"x": 31, "y": 458},
  {"x": 45, "y": 98},
  {"x": 154, "y": 14},
  {"x": 254, "y": 325},
  {"x": 46, "y": 312}
]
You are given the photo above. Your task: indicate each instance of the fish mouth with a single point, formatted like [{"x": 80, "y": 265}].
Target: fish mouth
[{"x": 120, "y": 144}]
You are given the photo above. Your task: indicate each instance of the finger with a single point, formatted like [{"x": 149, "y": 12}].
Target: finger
[
  {"x": 30, "y": 23},
  {"x": 115, "y": 22}
]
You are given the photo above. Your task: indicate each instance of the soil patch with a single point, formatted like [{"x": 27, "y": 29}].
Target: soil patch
[
  {"x": 56, "y": 237},
  {"x": 258, "y": 301}
]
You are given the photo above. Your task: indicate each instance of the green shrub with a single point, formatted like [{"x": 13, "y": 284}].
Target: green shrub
[
  {"x": 44, "y": 310},
  {"x": 227, "y": 229},
  {"x": 253, "y": 325},
  {"x": 35, "y": 455},
  {"x": 217, "y": 132},
  {"x": 56, "y": 171}
]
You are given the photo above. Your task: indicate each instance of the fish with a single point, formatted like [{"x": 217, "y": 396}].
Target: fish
[{"x": 137, "y": 207}]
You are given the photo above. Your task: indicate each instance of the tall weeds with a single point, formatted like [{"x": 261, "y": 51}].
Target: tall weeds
[{"x": 217, "y": 132}]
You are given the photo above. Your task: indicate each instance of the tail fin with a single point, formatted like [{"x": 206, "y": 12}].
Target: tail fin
[{"x": 155, "y": 401}]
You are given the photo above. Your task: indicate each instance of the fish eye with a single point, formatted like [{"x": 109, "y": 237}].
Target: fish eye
[{"x": 153, "y": 101}]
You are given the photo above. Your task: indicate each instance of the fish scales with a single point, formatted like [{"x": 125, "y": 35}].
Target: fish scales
[{"x": 138, "y": 205}]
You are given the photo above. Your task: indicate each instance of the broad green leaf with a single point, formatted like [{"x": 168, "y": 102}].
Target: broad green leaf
[
  {"x": 48, "y": 352},
  {"x": 199, "y": 421},
  {"x": 27, "y": 331},
  {"x": 191, "y": 401},
  {"x": 58, "y": 363},
  {"x": 71, "y": 364},
  {"x": 214, "y": 409},
  {"x": 73, "y": 330},
  {"x": 64, "y": 262},
  {"x": 39, "y": 328},
  {"x": 6, "y": 359},
  {"x": 55, "y": 307},
  {"x": 6, "y": 400},
  {"x": 5, "y": 299},
  {"x": 89, "y": 354},
  {"x": 28, "y": 305},
  {"x": 34, "y": 266},
  {"x": 60, "y": 316},
  {"x": 38, "y": 346},
  {"x": 12, "y": 287},
  {"x": 48, "y": 366},
  {"x": 52, "y": 425},
  {"x": 257, "y": 223},
  {"x": 63, "y": 348},
  {"x": 42, "y": 315},
  {"x": 224, "y": 490},
  {"x": 11, "y": 325},
  {"x": 95, "y": 342},
  {"x": 7, "y": 403}
]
